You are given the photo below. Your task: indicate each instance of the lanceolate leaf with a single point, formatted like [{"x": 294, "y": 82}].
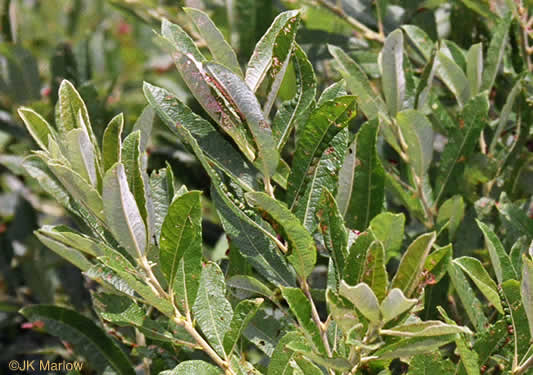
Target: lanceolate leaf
[
  {"x": 162, "y": 189},
  {"x": 496, "y": 51},
  {"x": 470, "y": 302},
  {"x": 121, "y": 212},
  {"x": 253, "y": 243},
  {"x": 301, "y": 308},
  {"x": 388, "y": 228},
  {"x": 332, "y": 227},
  {"x": 81, "y": 155},
  {"x": 367, "y": 179},
  {"x": 293, "y": 113},
  {"x": 411, "y": 346},
  {"x": 463, "y": 140},
  {"x": 212, "y": 101},
  {"x": 38, "y": 127},
  {"x": 410, "y": 269},
  {"x": 65, "y": 251},
  {"x": 370, "y": 102},
  {"x": 527, "y": 290},
  {"x": 244, "y": 312},
  {"x": 219, "y": 48},
  {"x": 211, "y": 309},
  {"x": 395, "y": 304},
  {"x": 70, "y": 107},
  {"x": 132, "y": 160},
  {"x": 393, "y": 76},
  {"x": 474, "y": 67},
  {"x": 111, "y": 145},
  {"x": 420, "y": 39},
  {"x": 263, "y": 58},
  {"x": 181, "y": 230},
  {"x": 280, "y": 363},
  {"x": 324, "y": 176},
  {"x": 454, "y": 78},
  {"x": 519, "y": 317},
  {"x": 475, "y": 270},
  {"x": 418, "y": 134},
  {"x": 501, "y": 262},
  {"x": 428, "y": 328},
  {"x": 355, "y": 262},
  {"x": 211, "y": 145},
  {"x": 302, "y": 246},
  {"x": 323, "y": 124},
  {"x": 248, "y": 108},
  {"x": 374, "y": 271},
  {"x": 87, "y": 338}
]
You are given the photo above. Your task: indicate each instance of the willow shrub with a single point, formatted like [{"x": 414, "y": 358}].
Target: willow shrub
[{"x": 322, "y": 277}]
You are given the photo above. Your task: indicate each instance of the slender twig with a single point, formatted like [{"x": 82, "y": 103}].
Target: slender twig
[
  {"x": 316, "y": 318},
  {"x": 367, "y": 33}
]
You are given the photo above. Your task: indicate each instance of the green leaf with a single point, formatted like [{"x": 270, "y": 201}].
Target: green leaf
[
  {"x": 469, "y": 358},
  {"x": 263, "y": 58},
  {"x": 519, "y": 318},
  {"x": 38, "y": 127},
  {"x": 219, "y": 48},
  {"x": 437, "y": 263},
  {"x": 370, "y": 102},
  {"x": 475, "y": 270},
  {"x": 393, "y": 76},
  {"x": 418, "y": 134},
  {"x": 395, "y": 304},
  {"x": 121, "y": 212},
  {"x": 474, "y": 67},
  {"x": 420, "y": 40},
  {"x": 342, "y": 311},
  {"x": 409, "y": 272},
  {"x": 195, "y": 367},
  {"x": 301, "y": 308},
  {"x": 302, "y": 246},
  {"x": 120, "y": 310},
  {"x": 280, "y": 362},
  {"x": 84, "y": 193},
  {"x": 412, "y": 346},
  {"x": 333, "y": 231},
  {"x": 74, "y": 239},
  {"x": 244, "y": 312},
  {"x": 518, "y": 217},
  {"x": 355, "y": 262},
  {"x": 180, "y": 40},
  {"x": 188, "y": 275},
  {"x": 496, "y": 51},
  {"x": 192, "y": 128},
  {"x": 451, "y": 214},
  {"x": 431, "y": 363},
  {"x": 254, "y": 244},
  {"x": 429, "y": 328},
  {"x": 205, "y": 89},
  {"x": 462, "y": 142},
  {"x": 38, "y": 170},
  {"x": 162, "y": 192},
  {"x": 211, "y": 309},
  {"x": 374, "y": 272},
  {"x": 246, "y": 104},
  {"x": 504, "y": 114},
  {"x": 293, "y": 113},
  {"x": 72, "y": 111},
  {"x": 501, "y": 262},
  {"x": 363, "y": 298},
  {"x": 322, "y": 126},
  {"x": 111, "y": 144},
  {"x": 388, "y": 228},
  {"x": 242, "y": 286},
  {"x": 454, "y": 78},
  {"x": 471, "y": 304},
  {"x": 87, "y": 338},
  {"x": 144, "y": 125},
  {"x": 527, "y": 290},
  {"x": 367, "y": 179},
  {"x": 181, "y": 230},
  {"x": 323, "y": 177},
  {"x": 69, "y": 253},
  {"x": 81, "y": 155}
]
